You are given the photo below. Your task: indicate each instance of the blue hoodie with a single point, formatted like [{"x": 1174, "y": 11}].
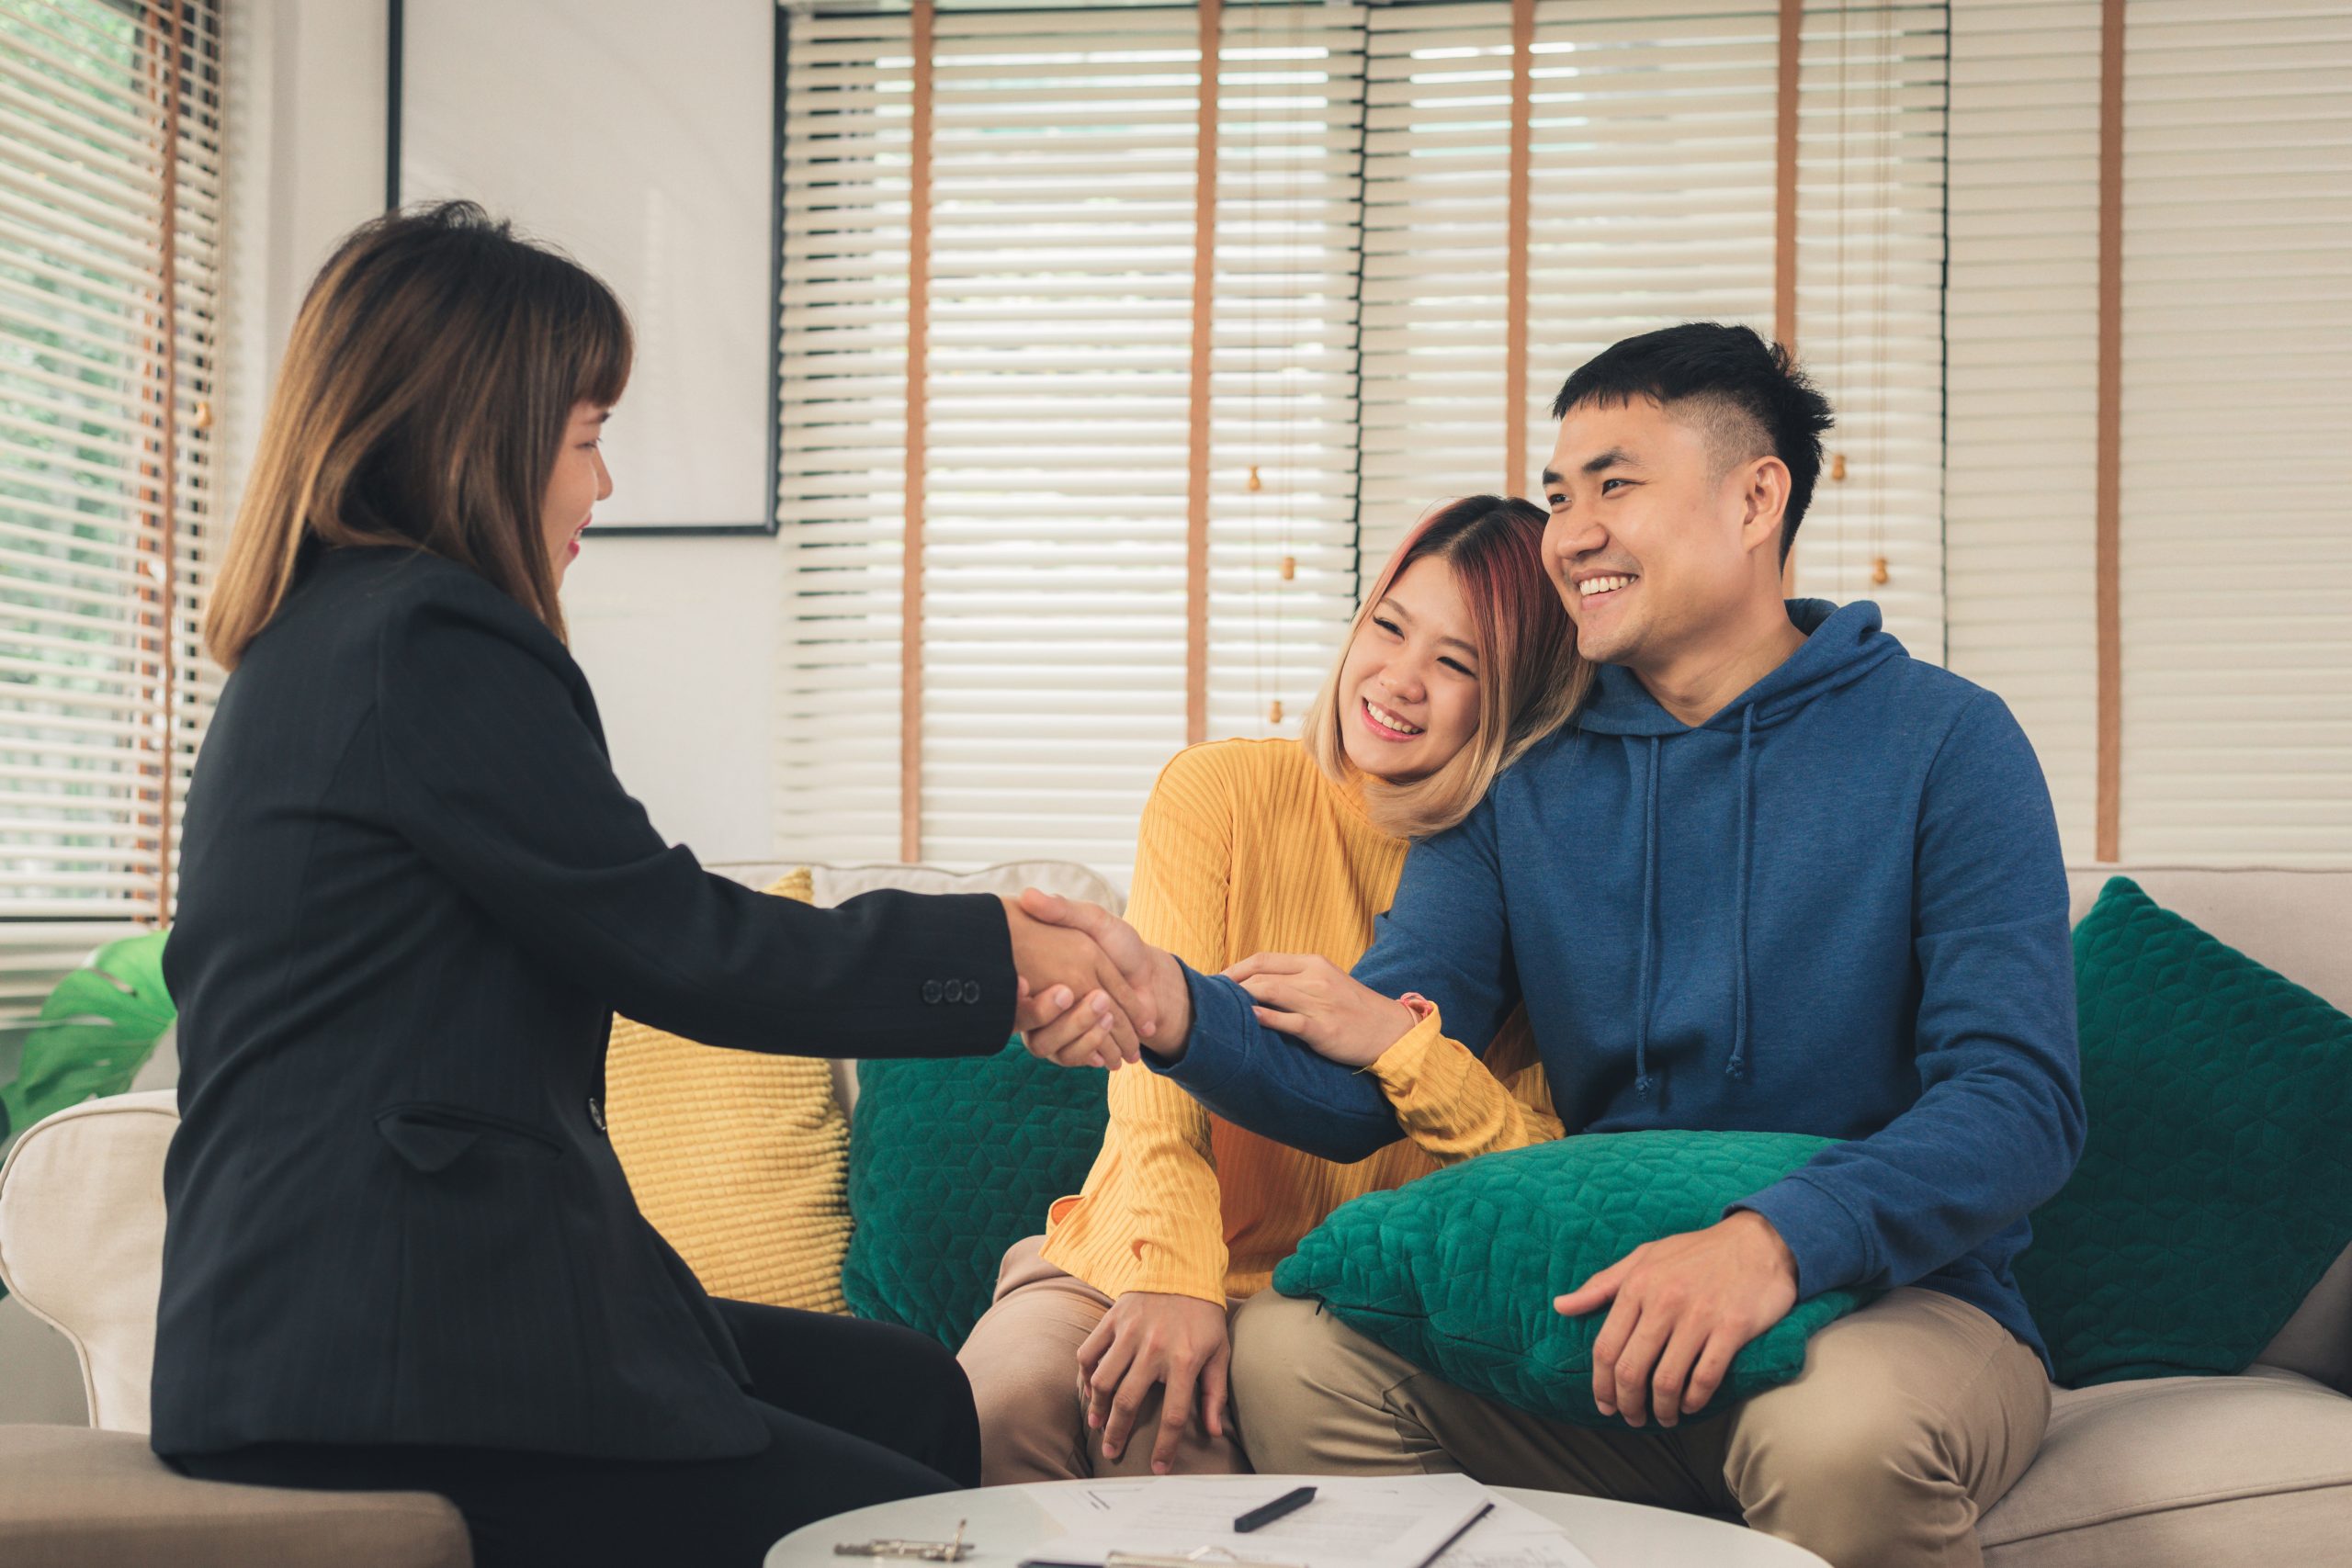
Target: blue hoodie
[{"x": 1836, "y": 907}]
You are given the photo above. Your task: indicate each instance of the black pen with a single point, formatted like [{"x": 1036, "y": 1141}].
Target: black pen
[{"x": 1288, "y": 1503}]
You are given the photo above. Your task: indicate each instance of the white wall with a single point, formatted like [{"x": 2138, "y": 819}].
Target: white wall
[{"x": 677, "y": 636}]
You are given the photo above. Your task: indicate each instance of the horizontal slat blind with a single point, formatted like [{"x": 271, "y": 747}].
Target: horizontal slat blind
[
  {"x": 101, "y": 695},
  {"x": 1870, "y": 306},
  {"x": 1062, "y": 231},
  {"x": 2023, "y": 314},
  {"x": 1283, "y": 395},
  {"x": 2236, "y": 567},
  {"x": 1056, "y": 405},
  {"x": 1653, "y": 139},
  {"x": 1651, "y": 191},
  {"x": 843, "y": 369},
  {"x": 1436, "y": 214}
]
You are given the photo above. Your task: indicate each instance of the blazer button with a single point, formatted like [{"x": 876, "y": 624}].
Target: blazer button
[
  {"x": 931, "y": 991},
  {"x": 595, "y": 1113},
  {"x": 971, "y": 990}
]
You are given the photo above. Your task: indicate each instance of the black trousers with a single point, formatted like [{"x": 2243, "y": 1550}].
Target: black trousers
[{"x": 857, "y": 1413}]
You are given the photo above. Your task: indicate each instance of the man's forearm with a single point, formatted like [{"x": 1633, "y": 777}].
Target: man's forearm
[{"x": 1267, "y": 1083}]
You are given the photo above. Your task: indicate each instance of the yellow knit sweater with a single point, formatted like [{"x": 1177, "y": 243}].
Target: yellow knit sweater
[{"x": 1246, "y": 848}]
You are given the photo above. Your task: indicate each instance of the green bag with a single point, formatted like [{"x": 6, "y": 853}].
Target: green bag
[
  {"x": 95, "y": 1033},
  {"x": 950, "y": 1163},
  {"x": 1456, "y": 1273},
  {"x": 2216, "y": 1181}
]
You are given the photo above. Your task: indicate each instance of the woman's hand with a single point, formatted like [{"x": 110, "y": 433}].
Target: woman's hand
[
  {"x": 1148, "y": 1340},
  {"x": 1320, "y": 1004},
  {"x": 1057, "y": 964},
  {"x": 1163, "y": 1007}
]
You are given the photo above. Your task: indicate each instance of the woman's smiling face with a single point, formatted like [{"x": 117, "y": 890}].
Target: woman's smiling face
[
  {"x": 578, "y": 482},
  {"x": 1409, "y": 686}
]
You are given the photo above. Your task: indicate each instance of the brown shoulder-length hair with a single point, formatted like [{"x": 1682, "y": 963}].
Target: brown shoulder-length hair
[
  {"x": 1531, "y": 678},
  {"x": 425, "y": 393}
]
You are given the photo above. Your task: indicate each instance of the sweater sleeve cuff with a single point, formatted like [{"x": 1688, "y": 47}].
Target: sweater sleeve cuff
[
  {"x": 1831, "y": 1247},
  {"x": 1218, "y": 1046},
  {"x": 1162, "y": 1271},
  {"x": 1404, "y": 1068}
]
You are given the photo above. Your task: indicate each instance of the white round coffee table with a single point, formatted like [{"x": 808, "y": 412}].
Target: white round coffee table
[{"x": 1005, "y": 1526}]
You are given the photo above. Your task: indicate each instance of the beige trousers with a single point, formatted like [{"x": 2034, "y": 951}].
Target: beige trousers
[
  {"x": 1023, "y": 1360},
  {"x": 1913, "y": 1415}
]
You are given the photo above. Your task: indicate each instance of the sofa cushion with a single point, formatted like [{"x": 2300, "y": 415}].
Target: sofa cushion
[
  {"x": 76, "y": 1498},
  {"x": 951, "y": 1161},
  {"x": 2317, "y": 1341},
  {"x": 738, "y": 1159},
  {"x": 82, "y": 1239},
  {"x": 2253, "y": 1470},
  {"x": 1456, "y": 1273},
  {"x": 2215, "y": 1188}
]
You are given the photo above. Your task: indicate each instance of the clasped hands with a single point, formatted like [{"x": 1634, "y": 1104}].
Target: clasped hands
[{"x": 1139, "y": 998}]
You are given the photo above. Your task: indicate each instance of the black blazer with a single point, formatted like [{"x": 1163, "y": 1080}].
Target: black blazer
[{"x": 412, "y": 894}]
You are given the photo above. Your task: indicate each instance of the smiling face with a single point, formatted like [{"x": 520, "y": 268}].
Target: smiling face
[
  {"x": 1664, "y": 531},
  {"x": 578, "y": 482},
  {"x": 1408, "y": 688}
]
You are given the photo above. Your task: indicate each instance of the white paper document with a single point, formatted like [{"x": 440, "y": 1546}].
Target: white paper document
[
  {"x": 1513, "y": 1536},
  {"x": 1400, "y": 1522}
]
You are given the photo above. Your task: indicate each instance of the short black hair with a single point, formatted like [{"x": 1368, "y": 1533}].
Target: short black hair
[{"x": 1754, "y": 381}]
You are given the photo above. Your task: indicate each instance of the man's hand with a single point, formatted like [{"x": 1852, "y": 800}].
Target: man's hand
[
  {"x": 1158, "y": 978},
  {"x": 1056, "y": 963},
  {"x": 1684, "y": 1306},
  {"x": 1148, "y": 1340},
  {"x": 1315, "y": 1000}
]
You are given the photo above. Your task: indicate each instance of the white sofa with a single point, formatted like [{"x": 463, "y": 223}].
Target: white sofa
[{"x": 2254, "y": 1470}]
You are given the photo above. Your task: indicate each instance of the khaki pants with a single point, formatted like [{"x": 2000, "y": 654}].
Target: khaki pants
[
  {"x": 1023, "y": 1360},
  {"x": 1913, "y": 1416}
]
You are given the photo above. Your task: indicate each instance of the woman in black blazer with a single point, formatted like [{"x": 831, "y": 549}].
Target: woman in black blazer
[{"x": 401, "y": 1253}]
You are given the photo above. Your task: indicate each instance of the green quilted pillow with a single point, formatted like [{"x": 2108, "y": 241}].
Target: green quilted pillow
[
  {"x": 1456, "y": 1271},
  {"x": 950, "y": 1163},
  {"x": 2216, "y": 1183}
]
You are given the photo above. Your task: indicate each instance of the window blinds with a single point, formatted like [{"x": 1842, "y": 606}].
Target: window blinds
[
  {"x": 2022, "y": 315},
  {"x": 2236, "y": 592},
  {"x": 1871, "y": 251},
  {"x": 1947, "y": 191},
  {"x": 1653, "y": 142},
  {"x": 110, "y": 247},
  {"x": 1055, "y": 412},
  {"x": 2236, "y": 572},
  {"x": 1055, "y": 505},
  {"x": 1436, "y": 219}
]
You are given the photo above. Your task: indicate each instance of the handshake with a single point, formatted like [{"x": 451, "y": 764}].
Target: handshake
[{"x": 1092, "y": 993}]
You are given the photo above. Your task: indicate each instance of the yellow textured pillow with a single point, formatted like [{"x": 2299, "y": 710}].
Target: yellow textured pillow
[{"x": 741, "y": 1159}]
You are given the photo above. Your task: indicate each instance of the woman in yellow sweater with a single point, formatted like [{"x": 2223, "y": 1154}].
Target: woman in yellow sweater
[{"x": 1460, "y": 658}]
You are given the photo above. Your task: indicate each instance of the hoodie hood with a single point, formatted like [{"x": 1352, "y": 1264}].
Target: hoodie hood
[
  {"x": 1842, "y": 644},
  {"x": 1841, "y": 647}
]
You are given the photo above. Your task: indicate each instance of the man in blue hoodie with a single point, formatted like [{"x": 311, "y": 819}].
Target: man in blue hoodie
[{"x": 1778, "y": 876}]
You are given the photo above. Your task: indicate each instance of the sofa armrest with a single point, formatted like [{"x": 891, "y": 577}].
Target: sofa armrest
[{"x": 82, "y": 1239}]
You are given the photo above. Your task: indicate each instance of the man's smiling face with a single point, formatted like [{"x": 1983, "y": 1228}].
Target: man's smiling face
[{"x": 1650, "y": 541}]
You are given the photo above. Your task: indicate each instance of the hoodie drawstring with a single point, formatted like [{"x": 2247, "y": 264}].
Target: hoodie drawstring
[
  {"x": 1737, "y": 1065},
  {"x": 1649, "y": 924}
]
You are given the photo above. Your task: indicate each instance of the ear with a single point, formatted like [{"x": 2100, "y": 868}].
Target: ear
[{"x": 1764, "y": 497}]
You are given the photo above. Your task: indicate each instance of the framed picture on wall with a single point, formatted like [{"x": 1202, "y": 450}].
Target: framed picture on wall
[{"x": 639, "y": 136}]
